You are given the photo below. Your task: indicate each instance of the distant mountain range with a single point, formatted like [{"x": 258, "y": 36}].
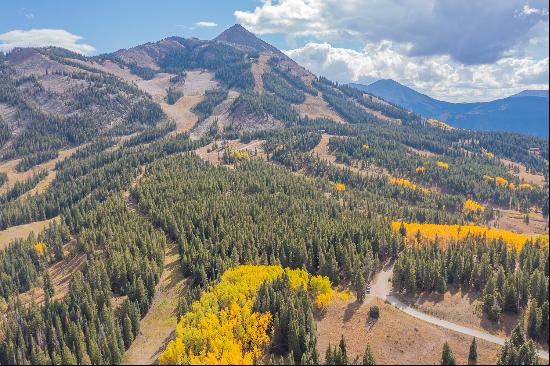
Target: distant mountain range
[{"x": 525, "y": 112}]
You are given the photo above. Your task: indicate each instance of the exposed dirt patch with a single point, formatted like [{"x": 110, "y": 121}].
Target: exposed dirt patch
[
  {"x": 181, "y": 113},
  {"x": 322, "y": 151},
  {"x": 521, "y": 172},
  {"x": 221, "y": 116},
  {"x": 157, "y": 327},
  {"x": 424, "y": 153},
  {"x": 396, "y": 338},
  {"x": 197, "y": 82},
  {"x": 157, "y": 86},
  {"x": 214, "y": 151},
  {"x": 14, "y": 176},
  {"x": 258, "y": 69},
  {"x": 380, "y": 115},
  {"x": 316, "y": 107},
  {"x": 61, "y": 274},
  {"x": 515, "y": 221},
  {"x": 462, "y": 308}
]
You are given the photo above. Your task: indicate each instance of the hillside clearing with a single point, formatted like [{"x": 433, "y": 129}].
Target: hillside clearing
[
  {"x": 157, "y": 327},
  {"x": 322, "y": 151},
  {"x": 14, "y": 176},
  {"x": 21, "y": 231},
  {"x": 181, "y": 112},
  {"x": 521, "y": 172},
  {"x": 396, "y": 338},
  {"x": 316, "y": 107}
]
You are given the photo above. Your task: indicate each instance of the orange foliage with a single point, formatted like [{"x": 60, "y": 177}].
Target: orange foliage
[
  {"x": 442, "y": 165},
  {"x": 421, "y": 169},
  {"x": 366, "y": 146}
]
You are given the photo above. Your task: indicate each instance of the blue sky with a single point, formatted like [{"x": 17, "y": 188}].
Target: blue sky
[
  {"x": 454, "y": 50},
  {"x": 111, "y": 25}
]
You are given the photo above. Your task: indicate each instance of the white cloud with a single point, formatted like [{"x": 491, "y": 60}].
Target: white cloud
[
  {"x": 527, "y": 10},
  {"x": 470, "y": 31},
  {"x": 438, "y": 76},
  {"x": 205, "y": 24},
  {"x": 43, "y": 38}
]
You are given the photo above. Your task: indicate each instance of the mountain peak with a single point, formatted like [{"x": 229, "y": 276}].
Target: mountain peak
[
  {"x": 238, "y": 36},
  {"x": 532, "y": 93}
]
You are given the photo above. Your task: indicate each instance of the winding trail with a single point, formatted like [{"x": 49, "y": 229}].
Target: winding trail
[{"x": 382, "y": 288}]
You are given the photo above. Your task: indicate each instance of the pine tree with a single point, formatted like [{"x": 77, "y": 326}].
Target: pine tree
[
  {"x": 342, "y": 353},
  {"x": 360, "y": 286},
  {"x": 127, "y": 334},
  {"x": 368, "y": 357},
  {"x": 329, "y": 356},
  {"x": 534, "y": 319},
  {"x": 447, "y": 356},
  {"x": 472, "y": 356},
  {"x": 68, "y": 357}
]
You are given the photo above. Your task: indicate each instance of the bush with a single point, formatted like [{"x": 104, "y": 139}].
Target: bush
[{"x": 374, "y": 312}]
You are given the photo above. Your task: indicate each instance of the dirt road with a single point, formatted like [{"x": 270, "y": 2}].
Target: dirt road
[{"x": 382, "y": 288}]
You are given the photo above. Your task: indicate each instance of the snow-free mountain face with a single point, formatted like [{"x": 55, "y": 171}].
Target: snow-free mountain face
[{"x": 525, "y": 112}]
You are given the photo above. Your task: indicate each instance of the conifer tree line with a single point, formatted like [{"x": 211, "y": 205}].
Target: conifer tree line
[
  {"x": 21, "y": 187},
  {"x": 34, "y": 159},
  {"x": 294, "y": 330},
  {"x": 295, "y": 81},
  {"x": 90, "y": 173},
  {"x": 212, "y": 98},
  {"x": 509, "y": 281}
]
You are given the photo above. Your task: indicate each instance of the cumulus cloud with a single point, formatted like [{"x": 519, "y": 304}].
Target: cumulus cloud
[
  {"x": 439, "y": 76},
  {"x": 470, "y": 32},
  {"x": 205, "y": 24},
  {"x": 43, "y": 38}
]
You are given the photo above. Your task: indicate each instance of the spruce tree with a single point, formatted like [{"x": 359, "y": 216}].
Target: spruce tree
[
  {"x": 447, "y": 356},
  {"x": 360, "y": 285},
  {"x": 368, "y": 357},
  {"x": 472, "y": 355},
  {"x": 534, "y": 319}
]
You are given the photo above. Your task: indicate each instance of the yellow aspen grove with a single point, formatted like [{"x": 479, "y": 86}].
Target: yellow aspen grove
[
  {"x": 488, "y": 154},
  {"x": 39, "y": 248},
  {"x": 473, "y": 206},
  {"x": 421, "y": 169},
  {"x": 366, "y": 146},
  {"x": 525, "y": 186},
  {"x": 407, "y": 184},
  {"x": 340, "y": 187},
  {"x": 222, "y": 329},
  {"x": 241, "y": 154},
  {"x": 501, "y": 182},
  {"x": 455, "y": 232},
  {"x": 442, "y": 165},
  {"x": 441, "y": 124}
]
